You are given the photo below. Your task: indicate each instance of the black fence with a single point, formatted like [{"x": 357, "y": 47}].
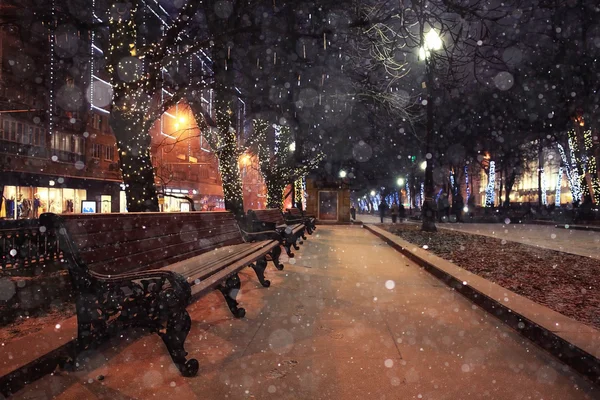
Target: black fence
[{"x": 26, "y": 249}]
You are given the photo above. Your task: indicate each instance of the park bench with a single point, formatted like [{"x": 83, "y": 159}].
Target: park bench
[
  {"x": 273, "y": 219},
  {"x": 309, "y": 220},
  {"x": 143, "y": 269}
]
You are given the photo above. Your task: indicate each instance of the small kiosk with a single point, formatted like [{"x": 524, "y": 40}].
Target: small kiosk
[{"x": 328, "y": 200}]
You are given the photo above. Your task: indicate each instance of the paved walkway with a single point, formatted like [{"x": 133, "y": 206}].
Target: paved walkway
[
  {"x": 583, "y": 243},
  {"x": 349, "y": 318}
]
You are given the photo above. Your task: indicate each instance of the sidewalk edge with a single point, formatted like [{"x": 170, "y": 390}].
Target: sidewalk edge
[
  {"x": 36, "y": 369},
  {"x": 570, "y": 354}
]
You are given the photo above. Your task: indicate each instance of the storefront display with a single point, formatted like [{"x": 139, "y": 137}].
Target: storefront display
[
  {"x": 21, "y": 202},
  {"x": 105, "y": 204},
  {"x": 88, "y": 207}
]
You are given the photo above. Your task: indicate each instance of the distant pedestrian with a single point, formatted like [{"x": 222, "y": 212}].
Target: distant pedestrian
[
  {"x": 458, "y": 204},
  {"x": 443, "y": 208},
  {"x": 382, "y": 207},
  {"x": 394, "y": 212},
  {"x": 353, "y": 212},
  {"x": 401, "y": 212}
]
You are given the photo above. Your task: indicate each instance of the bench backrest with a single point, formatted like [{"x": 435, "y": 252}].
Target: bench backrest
[
  {"x": 270, "y": 215},
  {"x": 295, "y": 212},
  {"x": 119, "y": 243}
]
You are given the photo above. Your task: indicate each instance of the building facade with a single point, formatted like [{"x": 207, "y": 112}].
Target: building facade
[{"x": 57, "y": 151}]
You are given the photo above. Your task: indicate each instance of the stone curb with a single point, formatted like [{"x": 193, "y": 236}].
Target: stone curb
[
  {"x": 578, "y": 346},
  {"x": 578, "y": 227}
]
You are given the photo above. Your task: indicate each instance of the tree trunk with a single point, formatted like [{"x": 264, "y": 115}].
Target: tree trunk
[
  {"x": 510, "y": 181},
  {"x": 298, "y": 191},
  {"x": 228, "y": 155},
  {"x": 274, "y": 194},
  {"x": 135, "y": 162},
  {"x": 223, "y": 138}
]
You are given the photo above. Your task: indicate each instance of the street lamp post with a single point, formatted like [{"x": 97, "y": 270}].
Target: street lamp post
[{"x": 431, "y": 42}]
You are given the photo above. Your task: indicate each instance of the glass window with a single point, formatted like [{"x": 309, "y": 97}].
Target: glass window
[
  {"x": 20, "y": 132},
  {"x": 36, "y": 137},
  {"x": 28, "y": 135},
  {"x": 6, "y": 130},
  {"x": 109, "y": 153},
  {"x": 106, "y": 203},
  {"x": 77, "y": 145},
  {"x": 97, "y": 121},
  {"x": 13, "y": 132},
  {"x": 42, "y": 138},
  {"x": 96, "y": 150}
]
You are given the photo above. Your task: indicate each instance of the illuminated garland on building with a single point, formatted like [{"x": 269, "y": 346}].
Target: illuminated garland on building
[
  {"x": 558, "y": 187},
  {"x": 490, "y": 190},
  {"x": 52, "y": 71},
  {"x": 422, "y": 194}
]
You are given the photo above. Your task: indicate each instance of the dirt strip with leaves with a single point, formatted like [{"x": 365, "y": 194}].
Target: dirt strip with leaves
[{"x": 563, "y": 282}]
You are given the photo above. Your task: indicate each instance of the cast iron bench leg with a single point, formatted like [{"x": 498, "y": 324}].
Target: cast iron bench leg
[
  {"x": 288, "y": 249},
  {"x": 91, "y": 323},
  {"x": 178, "y": 327},
  {"x": 259, "y": 268},
  {"x": 230, "y": 289},
  {"x": 275, "y": 253}
]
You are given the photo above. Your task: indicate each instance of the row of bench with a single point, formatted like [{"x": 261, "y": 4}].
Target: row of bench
[{"x": 143, "y": 269}]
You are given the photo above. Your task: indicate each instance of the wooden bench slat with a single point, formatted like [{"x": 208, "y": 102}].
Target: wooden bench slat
[
  {"x": 112, "y": 264},
  {"x": 213, "y": 280},
  {"x": 202, "y": 266}
]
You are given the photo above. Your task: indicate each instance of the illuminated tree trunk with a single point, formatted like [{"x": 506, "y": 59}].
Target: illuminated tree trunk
[
  {"x": 275, "y": 194},
  {"x": 298, "y": 192},
  {"x": 130, "y": 106},
  {"x": 224, "y": 142},
  {"x": 228, "y": 155},
  {"x": 134, "y": 159}
]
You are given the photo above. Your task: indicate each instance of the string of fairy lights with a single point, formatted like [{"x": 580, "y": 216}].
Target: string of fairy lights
[
  {"x": 570, "y": 168},
  {"x": 585, "y": 163},
  {"x": 558, "y": 186},
  {"x": 52, "y": 69},
  {"x": 490, "y": 190},
  {"x": 543, "y": 187},
  {"x": 592, "y": 166}
]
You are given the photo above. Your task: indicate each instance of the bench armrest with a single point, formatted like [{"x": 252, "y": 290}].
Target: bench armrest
[
  {"x": 177, "y": 281},
  {"x": 263, "y": 235}
]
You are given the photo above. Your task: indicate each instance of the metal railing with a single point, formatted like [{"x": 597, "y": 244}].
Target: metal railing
[{"x": 25, "y": 249}]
